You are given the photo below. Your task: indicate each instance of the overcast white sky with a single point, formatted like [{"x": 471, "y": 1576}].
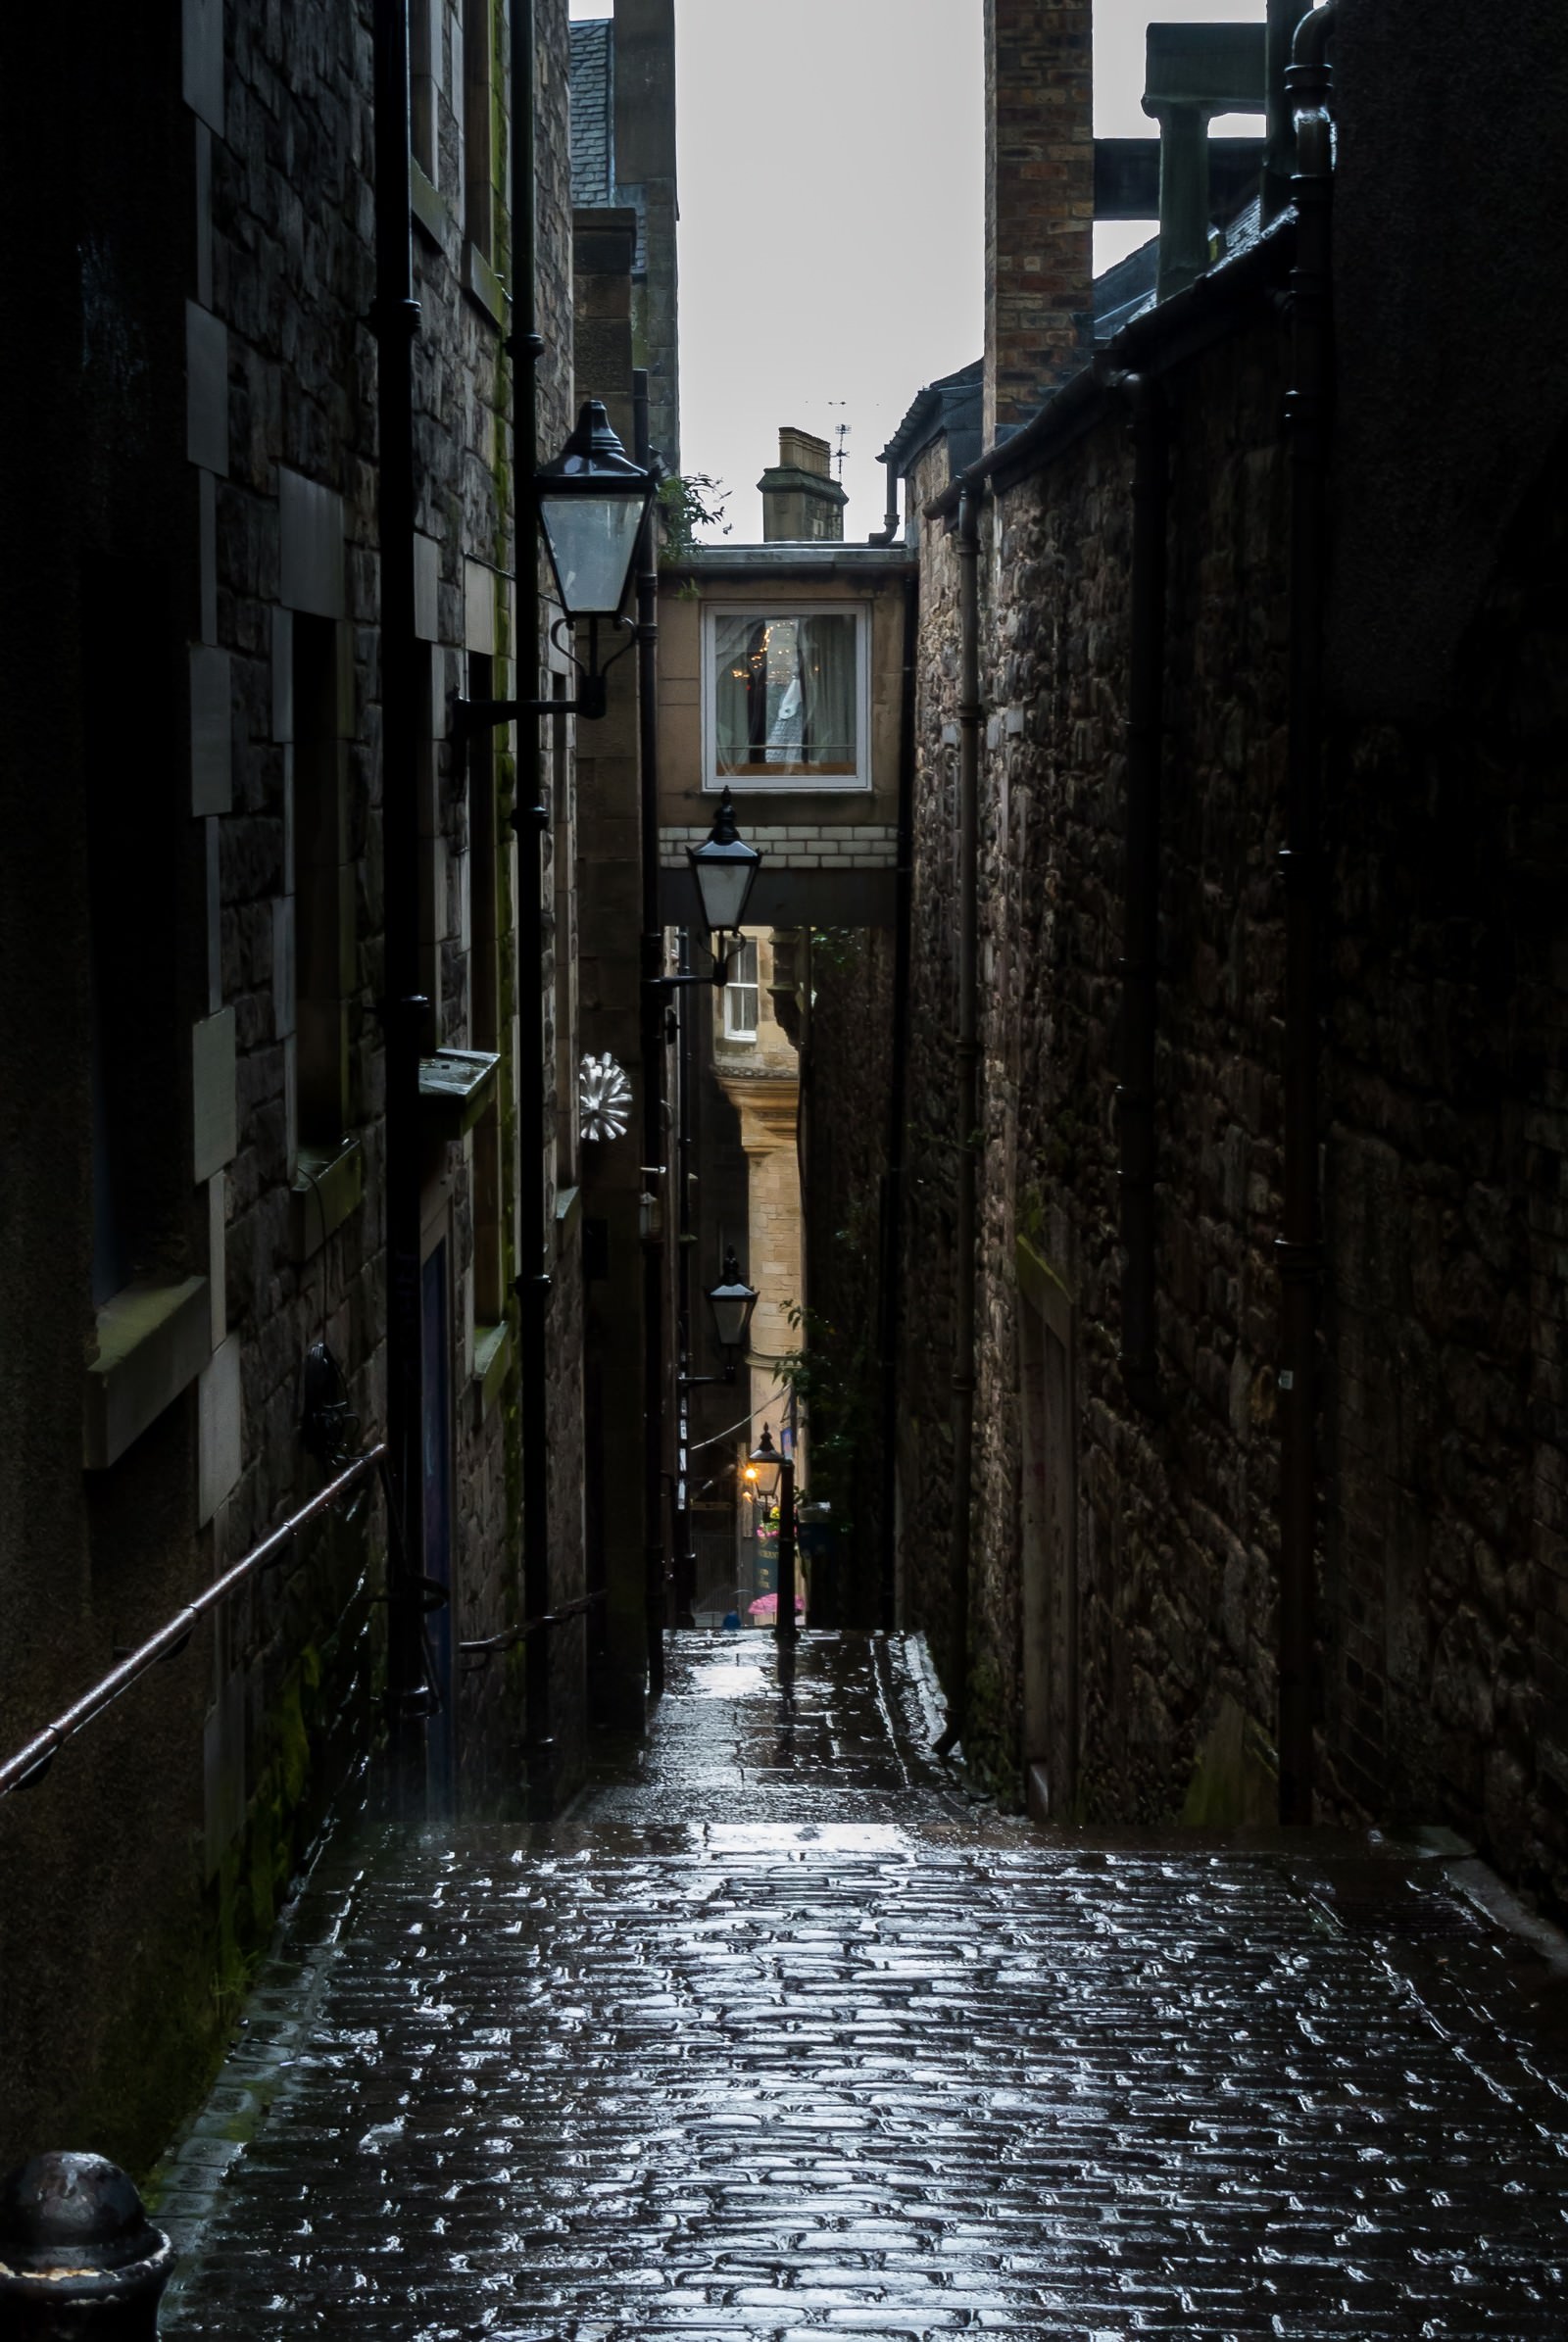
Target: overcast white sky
[{"x": 831, "y": 197}]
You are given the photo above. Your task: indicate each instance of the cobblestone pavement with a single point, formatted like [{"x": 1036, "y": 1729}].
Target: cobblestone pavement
[{"x": 777, "y": 2035}]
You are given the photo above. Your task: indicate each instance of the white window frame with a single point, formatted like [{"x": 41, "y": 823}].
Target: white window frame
[
  {"x": 751, "y": 983},
  {"x": 790, "y": 784}
]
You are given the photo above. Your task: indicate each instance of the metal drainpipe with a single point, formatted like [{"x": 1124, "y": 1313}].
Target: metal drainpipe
[
  {"x": 888, "y": 534},
  {"x": 685, "y": 1239},
  {"x": 897, "y": 1107},
  {"x": 1140, "y": 952},
  {"x": 530, "y": 819},
  {"x": 396, "y": 322},
  {"x": 653, "y": 1053},
  {"x": 967, "y": 1054},
  {"x": 1279, "y": 152},
  {"x": 1299, "y": 1250}
]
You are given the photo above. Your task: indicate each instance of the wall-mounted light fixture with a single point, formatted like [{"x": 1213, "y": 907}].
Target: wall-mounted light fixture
[
  {"x": 725, "y": 869},
  {"x": 730, "y": 1304},
  {"x": 590, "y": 503}
]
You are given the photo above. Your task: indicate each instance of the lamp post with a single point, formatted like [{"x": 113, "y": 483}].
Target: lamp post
[
  {"x": 775, "y": 1471},
  {"x": 590, "y": 504}
]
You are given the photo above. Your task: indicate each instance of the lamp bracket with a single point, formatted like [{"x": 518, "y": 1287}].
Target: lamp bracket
[{"x": 718, "y": 975}]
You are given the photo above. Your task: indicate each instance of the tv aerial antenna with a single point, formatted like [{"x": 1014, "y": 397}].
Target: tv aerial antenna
[{"x": 840, "y": 432}]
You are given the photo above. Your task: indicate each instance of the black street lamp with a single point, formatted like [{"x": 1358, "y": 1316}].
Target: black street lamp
[
  {"x": 767, "y": 1471},
  {"x": 730, "y": 1304},
  {"x": 590, "y": 504},
  {"x": 723, "y": 868},
  {"x": 766, "y": 1464},
  {"x": 592, "y": 500}
]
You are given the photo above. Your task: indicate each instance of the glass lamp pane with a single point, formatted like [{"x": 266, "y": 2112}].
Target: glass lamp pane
[
  {"x": 591, "y": 542},
  {"x": 723, "y": 882},
  {"x": 732, "y": 1306}
]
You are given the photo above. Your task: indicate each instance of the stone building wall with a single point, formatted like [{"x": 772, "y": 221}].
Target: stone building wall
[
  {"x": 927, "y": 1596},
  {"x": 1440, "y": 1561},
  {"x": 218, "y": 184},
  {"x": 1172, "y": 1517},
  {"x": 1446, "y": 1424}
]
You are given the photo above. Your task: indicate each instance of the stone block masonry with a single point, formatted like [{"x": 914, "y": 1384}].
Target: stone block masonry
[
  {"x": 206, "y": 338},
  {"x": 1126, "y": 1555}
]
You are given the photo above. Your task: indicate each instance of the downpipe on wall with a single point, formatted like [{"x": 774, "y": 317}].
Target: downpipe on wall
[
  {"x": 971, "y": 716},
  {"x": 1135, "y": 1097},
  {"x": 395, "y": 318},
  {"x": 531, "y": 821},
  {"x": 1298, "y": 1249},
  {"x": 653, "y": 1135},
  {"x": 892, "y": 1191}
]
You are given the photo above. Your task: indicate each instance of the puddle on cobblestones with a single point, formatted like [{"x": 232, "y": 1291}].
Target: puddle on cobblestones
[
  {"x": 820, "y": 1838},
  {"x": 723, "y": 1679}
]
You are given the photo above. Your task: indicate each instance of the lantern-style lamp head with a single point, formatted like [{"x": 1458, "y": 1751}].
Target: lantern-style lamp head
[
  {"x": 592, "y": 500},
  {"x": 723, "y": 866},
  {"x": 731, "y": 1301},
  {"x": 767, "y": 1464}
]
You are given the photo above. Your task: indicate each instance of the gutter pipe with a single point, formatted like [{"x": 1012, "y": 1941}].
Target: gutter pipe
[
  {"x": 887, "y": 533},
  {"x": 1298, "y": 1251},
  {"x": 654, "y": 1136},
  {"x": 530, "y": 820},
  {"x": 395, "y": 319},
  {"x": 898, "y": 1110},
  {"x": 685, "y": 1559},
  {"x": 1141, "y": 944},
  {"x": 967, "y": 1054}
]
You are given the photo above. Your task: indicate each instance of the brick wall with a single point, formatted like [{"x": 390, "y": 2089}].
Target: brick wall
[{"x": 1039, "y": 201}]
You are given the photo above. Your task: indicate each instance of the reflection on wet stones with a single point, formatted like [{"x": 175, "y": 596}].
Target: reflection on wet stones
[{"x": 779, "y": 2036}]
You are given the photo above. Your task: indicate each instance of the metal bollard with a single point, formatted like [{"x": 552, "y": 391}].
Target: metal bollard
[{"x": 80, "y": 2260}]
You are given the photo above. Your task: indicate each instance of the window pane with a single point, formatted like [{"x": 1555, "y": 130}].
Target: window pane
[
  {"x": 786, "y": 695},
  {"x": 740, "y": 1012}
]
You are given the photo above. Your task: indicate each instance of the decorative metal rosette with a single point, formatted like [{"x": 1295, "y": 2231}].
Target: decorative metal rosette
[{"x": 604, "y": 1098}]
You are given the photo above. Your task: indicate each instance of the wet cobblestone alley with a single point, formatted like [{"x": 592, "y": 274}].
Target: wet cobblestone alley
[{"x": 776, "y": 2033}]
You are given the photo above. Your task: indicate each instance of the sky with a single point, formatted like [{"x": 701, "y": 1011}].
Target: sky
[{"x": 831, "y": 237}]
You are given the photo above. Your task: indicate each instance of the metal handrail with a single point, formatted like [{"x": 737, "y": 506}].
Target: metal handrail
[
  {"x": 489, "y": 1645},
  {"x": 30, "y": 1764}
]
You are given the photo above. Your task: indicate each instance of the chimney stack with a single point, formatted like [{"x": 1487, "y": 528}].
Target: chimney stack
[
  {"x": 801, "y": 499},
  {"x": 1039, "y": 202}
]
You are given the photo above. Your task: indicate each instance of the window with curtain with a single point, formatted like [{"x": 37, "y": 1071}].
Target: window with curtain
[{"x": 787, "y": 697}]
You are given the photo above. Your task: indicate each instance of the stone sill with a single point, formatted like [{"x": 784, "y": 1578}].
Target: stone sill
[
  {"x": 483, "y": 286},
  {"x": 456, "y": 1086},
  {"x": 326, "y": 1191},
  {"x": 154, "y": 1338},
  {"x": 492, "y": 1358},
  {"x": 568, "y": 1211},
  {"x": 428, "y": 206}
]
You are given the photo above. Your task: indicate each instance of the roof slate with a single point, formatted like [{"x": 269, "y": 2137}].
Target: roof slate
[{"x": 593, "y": 99}]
